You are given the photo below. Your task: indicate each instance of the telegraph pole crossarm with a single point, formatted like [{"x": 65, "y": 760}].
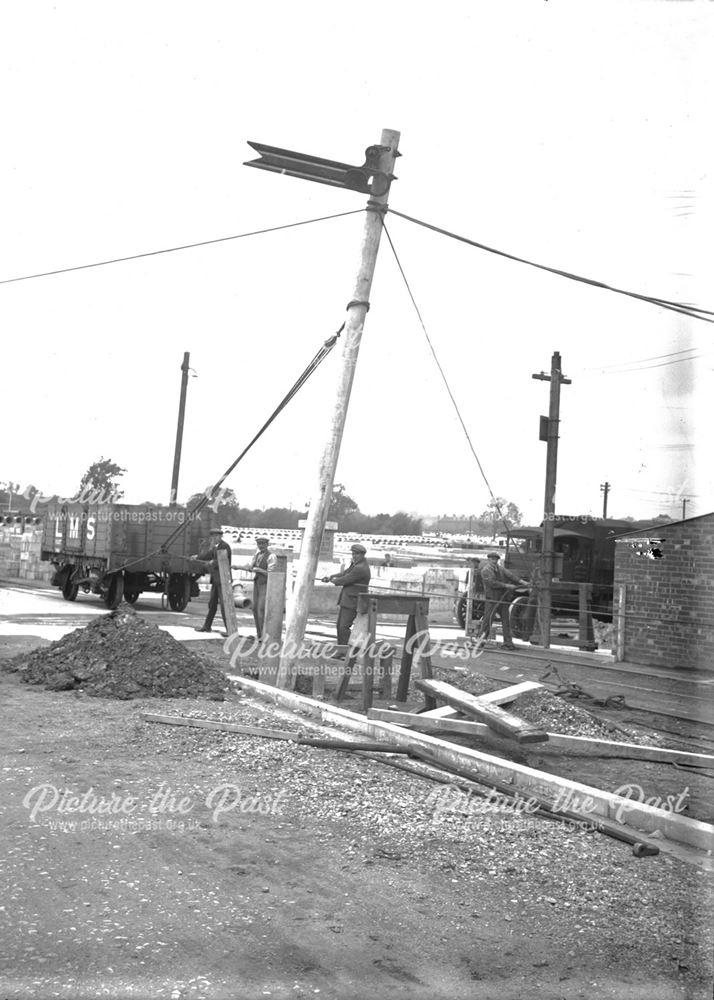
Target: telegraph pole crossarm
[
  {"x": 549, "y": 433},
  {"x": 605, "y": 490}
]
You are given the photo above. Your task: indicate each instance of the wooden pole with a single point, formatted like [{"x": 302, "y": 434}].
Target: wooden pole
[
  {"x": 319, "y": 507},
  {"x": 555, "y": 378},
  {"x": 179, "y": 431},
  {"x": 273, "y": 624},
  {"x": 605, "y": 490}
]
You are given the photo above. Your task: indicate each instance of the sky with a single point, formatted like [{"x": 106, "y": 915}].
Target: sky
[{"x": 574, "y": 134}]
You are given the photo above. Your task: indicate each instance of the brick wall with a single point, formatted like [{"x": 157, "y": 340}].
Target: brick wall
[{"x": 669, "y": 595}]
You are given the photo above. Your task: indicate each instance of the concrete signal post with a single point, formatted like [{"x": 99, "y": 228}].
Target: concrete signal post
[{"x": 373, "y": 178}]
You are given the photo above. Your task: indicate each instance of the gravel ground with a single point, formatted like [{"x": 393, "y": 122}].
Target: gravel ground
[
  {"x": 563, "y": 883},
  {"x": 331, "y": 874}
]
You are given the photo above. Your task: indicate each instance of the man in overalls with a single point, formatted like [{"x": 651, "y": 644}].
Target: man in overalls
[{"x": 498, "y": 584}]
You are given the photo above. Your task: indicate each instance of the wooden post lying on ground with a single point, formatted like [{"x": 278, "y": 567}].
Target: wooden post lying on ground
[
  {"x": 229, "y": 609},
  {"x": 500, "y": 721},
  {"x": 522, "y": 779},
  {"x": 585, "y": 746},
  {"x": 269, "y": 652}
]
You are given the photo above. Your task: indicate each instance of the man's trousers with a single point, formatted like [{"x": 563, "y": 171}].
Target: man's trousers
[
  {"x": 492, "y": 607},
  {"x": 215, "y": 598},
  {"x": 344, "y": 624},
  {"x": 259, "y": 608}
]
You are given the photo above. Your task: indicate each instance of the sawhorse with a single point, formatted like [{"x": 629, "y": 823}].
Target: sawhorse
[{"x": 416, "y": 639}]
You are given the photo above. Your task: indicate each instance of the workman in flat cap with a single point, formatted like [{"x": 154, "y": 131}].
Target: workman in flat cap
[
  {"x": 216, "y": 596},
  {"x": 354, "y": 581},
  {"x": 258, "y": 566},
  {"x": 498, "y": 585}
]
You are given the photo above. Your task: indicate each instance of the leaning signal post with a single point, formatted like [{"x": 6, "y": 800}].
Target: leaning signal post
[
  {"x": 373, "y": 178},
  {"x": 549, "y": 433}
]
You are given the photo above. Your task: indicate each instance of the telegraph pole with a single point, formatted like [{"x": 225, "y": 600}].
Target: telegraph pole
[
  {"x": 298, "y": 606},
  {"x": 549, "y": 433},
  {"x": 604, "y": 489},
  {"x": 684, "y": 508},
  {"x": 179, "y": 431}
]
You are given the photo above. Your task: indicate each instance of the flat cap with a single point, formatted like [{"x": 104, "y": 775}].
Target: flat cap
[
  {"x": 358, "y": 548},
  {"x": 493, "y": 555},
  {"x": 216, "y": 531},
  {"x": 262, "y": 539}
]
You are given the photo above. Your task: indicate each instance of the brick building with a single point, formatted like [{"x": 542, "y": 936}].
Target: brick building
[{"x": 668, "y": 581}]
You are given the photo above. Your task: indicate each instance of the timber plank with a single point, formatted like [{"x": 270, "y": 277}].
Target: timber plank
[
  {"x": 227, "y": 605},
  {"x": 500, "y": 721},
  {"x": 436, "y": 713},
  {"x": 504, "y": 695},
  {"x": 500, "y": 697},
  {"x": 429, "y": 722},
  {"x": 594, "y": 802}
]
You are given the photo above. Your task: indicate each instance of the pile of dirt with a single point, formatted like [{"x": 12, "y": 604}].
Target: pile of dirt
[{"x": 121, "y": 656}]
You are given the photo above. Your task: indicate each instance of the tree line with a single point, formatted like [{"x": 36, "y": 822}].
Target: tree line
[
  {"x": 343, "y": 509},
  {"x": 101, "y": 484}
]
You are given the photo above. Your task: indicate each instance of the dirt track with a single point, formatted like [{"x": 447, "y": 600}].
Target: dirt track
[{"x": 349, "y": 887}]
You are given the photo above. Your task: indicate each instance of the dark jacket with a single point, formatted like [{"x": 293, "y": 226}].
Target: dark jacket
[
  {"x": 211, "y": 555},
  {"x": 496, "y": 579},
  {"x": 354, "y": 581}
]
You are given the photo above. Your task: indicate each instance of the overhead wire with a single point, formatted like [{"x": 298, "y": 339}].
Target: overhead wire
[
  {"x": 660, "y": 493},
  {"x": 211, "y": 494},
  {"x": 643, "y": 368},
  {"x": 445, "y": 380},
  {"x": 694, "y": 312},
  {"x": 637, "y": 361},
  {"x": 301, "y": 380},
  {"x": 184, "y": 246}
]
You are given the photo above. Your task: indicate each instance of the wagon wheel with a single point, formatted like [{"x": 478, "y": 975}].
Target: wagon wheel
[
  {"x": 131, "y": 596},
  {"x": 114, "y": 592},
  {"x": 461, "y": 611},
  {"x": 69, "y": 589},
  {"x": 521, "y": 618},
  {"x": 179, "y": 591},
  {"x": 477, "y": 608}
]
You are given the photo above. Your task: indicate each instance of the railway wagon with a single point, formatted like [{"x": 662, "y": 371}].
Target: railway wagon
[{"x": 123, "y": 550}]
